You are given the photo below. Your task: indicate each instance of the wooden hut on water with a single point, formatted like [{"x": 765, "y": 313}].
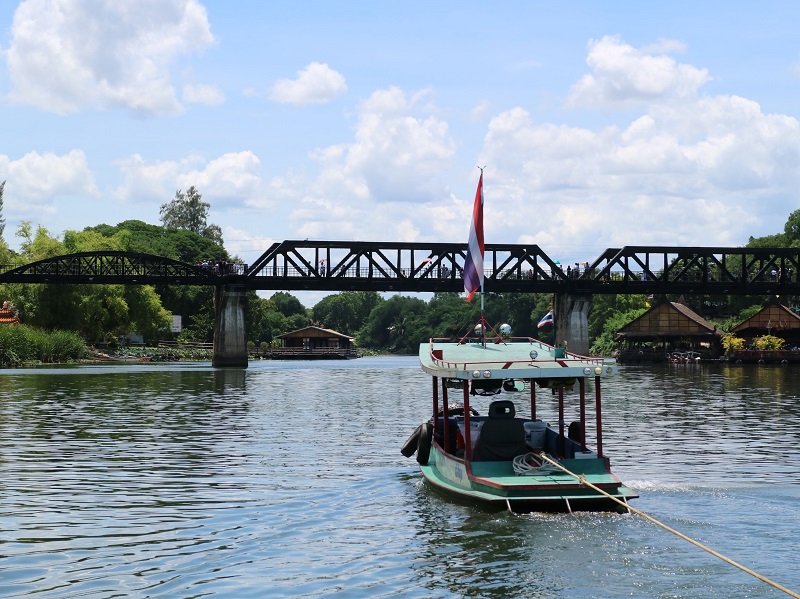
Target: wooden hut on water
[
  {"x": 313, "y": 343},
  {"x": 774, "y": 319},
  {"x": 666, "y": 330}
]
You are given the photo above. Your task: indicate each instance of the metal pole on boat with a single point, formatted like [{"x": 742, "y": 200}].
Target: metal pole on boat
[
  {"x": 483, "y": 319},
  {"x": 599, "y": 417},
  {"x": 582, "y": 385},
  {"x": 533, "y": 399},
  {"x": 467, "y": 426},
  {"x": 445, "y": 418},
  {"x": 435, "y": 404},
  {"x": 561, "y": 422}
]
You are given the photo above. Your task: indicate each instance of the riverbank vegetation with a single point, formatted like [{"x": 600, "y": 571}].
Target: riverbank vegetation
[
  {"x": 23, "y": 345},
  {"x": 109, "y": 315}
]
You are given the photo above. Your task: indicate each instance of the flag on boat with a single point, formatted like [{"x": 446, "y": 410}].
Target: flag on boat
[
  {"x": 473, "y": 266},
  {"x": 546, "y": 319}
]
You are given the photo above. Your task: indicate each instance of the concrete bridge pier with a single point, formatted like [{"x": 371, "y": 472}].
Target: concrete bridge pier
[
  {"x": 230, "y": 345},
  {"x": 572, "y": 321}
]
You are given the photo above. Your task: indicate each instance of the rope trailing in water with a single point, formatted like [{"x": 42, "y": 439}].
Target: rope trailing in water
[{"x": 586, "y": 483}]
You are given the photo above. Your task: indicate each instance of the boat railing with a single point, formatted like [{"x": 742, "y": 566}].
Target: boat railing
[{"x": 552, "y": 351}]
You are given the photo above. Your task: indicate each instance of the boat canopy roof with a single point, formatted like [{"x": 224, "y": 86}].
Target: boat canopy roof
[{"x": 516, "y": 358}]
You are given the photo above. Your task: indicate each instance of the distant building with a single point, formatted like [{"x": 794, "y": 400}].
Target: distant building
[
  {"x": 666, "y": 328},
  {"x": 774, "y": 319},
  {"x": 311, "y": 343},
  {"x": 8, "y": 315}
]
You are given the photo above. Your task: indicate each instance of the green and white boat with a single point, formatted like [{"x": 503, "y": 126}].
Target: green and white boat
[{"x": 509, "y": 458}]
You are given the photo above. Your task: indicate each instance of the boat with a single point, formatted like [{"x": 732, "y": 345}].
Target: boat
[{"x": 510, "y": 459}]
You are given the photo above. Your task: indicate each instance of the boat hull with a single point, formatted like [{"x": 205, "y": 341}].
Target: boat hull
[{"x": 495, "y": 486}]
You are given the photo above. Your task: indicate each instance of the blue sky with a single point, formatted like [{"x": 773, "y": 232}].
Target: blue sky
[{"x": 600, "y": 124}]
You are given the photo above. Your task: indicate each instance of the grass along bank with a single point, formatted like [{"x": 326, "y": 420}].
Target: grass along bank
[{"x": 22, "y": 344}]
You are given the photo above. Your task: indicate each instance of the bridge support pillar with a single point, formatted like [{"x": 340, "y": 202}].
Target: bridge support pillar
[
  {"x": 230, "y": 345},
  {"x": 572, "y": 321}
]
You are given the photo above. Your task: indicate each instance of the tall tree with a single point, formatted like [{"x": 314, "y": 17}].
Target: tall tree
[{"x": 188, "y": 211}]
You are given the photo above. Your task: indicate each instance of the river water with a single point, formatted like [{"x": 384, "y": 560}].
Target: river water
[{"x": 286, "y": 480}]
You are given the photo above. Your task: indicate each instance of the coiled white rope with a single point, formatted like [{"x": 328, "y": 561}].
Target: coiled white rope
[
  {"x": 584, "y": 482},
  {"x": 530, "y": 464}
]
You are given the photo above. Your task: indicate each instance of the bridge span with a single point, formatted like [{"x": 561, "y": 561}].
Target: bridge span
[{"x": 433, "y": 267}]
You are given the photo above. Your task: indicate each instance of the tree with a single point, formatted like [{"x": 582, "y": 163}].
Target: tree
[
  {"x": 188, "y": 211},
  {"x": 396, "y": 324},
  {"x": 97, "y": 312},
  {"x": 288, "y": 304},
  {"x": 791, "y": 229},
  {"x": 346, "y": 312}
]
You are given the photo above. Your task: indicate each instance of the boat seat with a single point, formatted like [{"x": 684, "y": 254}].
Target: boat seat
[{"x": 502, "y": 435}]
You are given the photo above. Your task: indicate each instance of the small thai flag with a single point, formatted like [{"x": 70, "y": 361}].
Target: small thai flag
[{"x": 547, "y": 319}]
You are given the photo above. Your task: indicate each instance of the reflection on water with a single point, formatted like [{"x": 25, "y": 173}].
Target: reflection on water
[{"x": 286, "y": 480}]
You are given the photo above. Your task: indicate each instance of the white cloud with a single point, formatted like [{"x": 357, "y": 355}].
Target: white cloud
[
  {"x": 317, "y": 83},
  {"x": 36, "y": 178},
  {"x": 231, "y": 180},
  {"x": 686, "y": 173},
  {"x": 210, "y": 95},
  {"x": 241, "y": 243},
  {"x": 67, "y": 55},
  {"x": 35, "y": 182},
  {"x": 623, "y": 75},
  {"x": 380, "y": 184}
]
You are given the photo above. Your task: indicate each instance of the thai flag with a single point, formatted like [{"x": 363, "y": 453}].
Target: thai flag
[
  {"x": 547, "y": 319},
  {"x": 473, "y": 266}
]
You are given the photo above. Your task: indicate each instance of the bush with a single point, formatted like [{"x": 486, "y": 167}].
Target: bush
[
  {"x": 732, "y": 343},
  {"x": 768, "y": 342},
  {"x": 22, "y": 344}
]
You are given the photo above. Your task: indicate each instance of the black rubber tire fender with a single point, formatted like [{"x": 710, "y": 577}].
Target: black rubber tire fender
[
  {"x": 424, "y": 442},
  {"x": 410, "y": 446}
]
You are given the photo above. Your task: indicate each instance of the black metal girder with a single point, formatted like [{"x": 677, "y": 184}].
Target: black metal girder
[
  {"x": 394, "y": 266},
  {"x": 432, "y": 267},
  {"x": 109, "y": 268}
]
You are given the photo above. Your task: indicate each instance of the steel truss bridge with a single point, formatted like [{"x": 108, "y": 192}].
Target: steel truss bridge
[{"x": 436, "y": 267}]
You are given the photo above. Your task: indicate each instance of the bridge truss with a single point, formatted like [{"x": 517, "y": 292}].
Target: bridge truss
[{"x": 435, "y": 267}]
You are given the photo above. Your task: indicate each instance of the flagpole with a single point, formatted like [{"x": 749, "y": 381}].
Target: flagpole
[
  {"x": 473, "y": 262},
  {"x": 483, "y": 317}
]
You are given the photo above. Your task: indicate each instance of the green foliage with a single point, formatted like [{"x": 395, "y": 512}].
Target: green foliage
[
  {"x": 396, "y": 324},
  {"x": 287, "y": 304},
  {"x": 606, "y": 342},
  {"x": 345, "y": 312},
  {"x": 22, "y": 344},
  {"x": 791, "y": 230},
  {"x": 188, "y": 211},
  {"x": 605, "y": 307},
  {"x": 178, "y": 244},
  {"x": 200, "y": 327}
]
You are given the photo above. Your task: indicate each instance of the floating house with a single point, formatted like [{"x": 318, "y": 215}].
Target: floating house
[
  {"x": 313, "y": 343},
  {"x": 667, "y": 329},
  {"x": 774, "y": 319}
]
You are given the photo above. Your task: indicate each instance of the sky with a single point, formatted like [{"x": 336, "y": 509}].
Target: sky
[{"x": 599, "y": 124}]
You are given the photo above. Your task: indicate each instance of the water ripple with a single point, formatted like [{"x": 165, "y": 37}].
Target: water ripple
[{"x": 286, "y": 481}]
